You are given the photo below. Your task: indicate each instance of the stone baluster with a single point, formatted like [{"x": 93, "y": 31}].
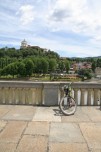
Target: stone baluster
[
  {"x": 29, "y": 95},
  {"x": 23, "y": 94},
  {"x": 89, "y": 97},
  {"x": 6, "y": 91},
  {"x": 26, "y": 97},
  {"x": 1, "y": 95},
  {"x": 32, "y": 96},
  {"x": 96, "y": 96},
  {"x": 11, "y": 96},
  {"x": 76, "y": 95},
  {"x": 17, "y": 95},
  {"x": 20, "y": 95},
  {"x": 36, "y": 97},
  {"x": 82, "y": 102}
]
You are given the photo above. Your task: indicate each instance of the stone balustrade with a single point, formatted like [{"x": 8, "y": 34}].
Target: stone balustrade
[{"x": 47, "y": 93}]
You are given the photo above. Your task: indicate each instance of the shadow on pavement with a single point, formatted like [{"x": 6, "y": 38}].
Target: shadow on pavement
[{"x": 58, "y": 112}]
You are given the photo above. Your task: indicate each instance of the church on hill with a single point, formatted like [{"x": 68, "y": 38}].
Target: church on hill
[{"x": 24, "y": 45}]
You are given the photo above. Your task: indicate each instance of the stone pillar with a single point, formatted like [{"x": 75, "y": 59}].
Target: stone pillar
[
  {"x": 60, "y": 94},
  {"x": 89, "y": 97},
  {"x": 39, "y": 96},
  {"x": 76, "y": 95},
  {"x": 96, "y": 96},
  {"x": 50, "y": 94},
  {"x": 82, "y": 102}
]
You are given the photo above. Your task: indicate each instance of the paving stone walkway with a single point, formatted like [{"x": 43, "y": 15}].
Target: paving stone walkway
[{"x": 46, "y": 129}]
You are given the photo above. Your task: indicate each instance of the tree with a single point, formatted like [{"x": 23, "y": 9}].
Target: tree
[
  {"x": 13, "y": 69},
  {"x": 52, "y": 65},
  {"x": 67, "y": 65},
  {"x": 44, "y": 65},
  {"x": 85, "y": 73},
  {"x": 10, "y": 69},
  {"x": 21, "y": 69},
  {"x": 2, "y": 52},
  {"x": 61, "y": 66},
  {"x": 93, "y": 66},
  {"x": 98, "y": 64},
  {"x": 28, "y": 67}
]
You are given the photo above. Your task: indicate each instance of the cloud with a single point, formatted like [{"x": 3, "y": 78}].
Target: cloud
[
  {"x": 27, "y": 14},
  {"x": 76, "y": 16},
  {"x": 71, "y": 28}
]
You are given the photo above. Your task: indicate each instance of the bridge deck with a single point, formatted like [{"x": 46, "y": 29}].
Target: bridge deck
[{"x": 45, "y": 129}]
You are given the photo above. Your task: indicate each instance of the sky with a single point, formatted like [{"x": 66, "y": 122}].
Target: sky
[{"x": 72, "y": 28}]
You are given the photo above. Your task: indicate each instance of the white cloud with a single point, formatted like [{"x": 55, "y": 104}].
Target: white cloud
[
  {"x": 27, "y": 14},
  {"x": 66, "y": 50},
  {"x": 65, "y": 26},
  {"x": 78, "y": 16}
]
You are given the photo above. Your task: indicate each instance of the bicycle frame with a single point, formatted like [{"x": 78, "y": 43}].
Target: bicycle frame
[{"x": 68, "y": 90}]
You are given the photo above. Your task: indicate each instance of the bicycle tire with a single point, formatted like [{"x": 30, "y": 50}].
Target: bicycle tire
[{"x": 65, "y": 108}]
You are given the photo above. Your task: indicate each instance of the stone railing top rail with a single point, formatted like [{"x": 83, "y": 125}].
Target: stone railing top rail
[{"x": 30, "y": 84}]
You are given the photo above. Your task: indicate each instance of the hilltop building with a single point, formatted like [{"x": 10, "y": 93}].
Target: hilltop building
[{"x": 24, "y": 44}]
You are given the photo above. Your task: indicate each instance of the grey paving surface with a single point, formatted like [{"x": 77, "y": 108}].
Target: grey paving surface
[
  {"x": 46, "y": 129},
  {"x": 46, "y": 114}
]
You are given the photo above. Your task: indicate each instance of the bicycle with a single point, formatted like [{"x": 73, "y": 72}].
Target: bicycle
[{"x": 67, "y": 104}]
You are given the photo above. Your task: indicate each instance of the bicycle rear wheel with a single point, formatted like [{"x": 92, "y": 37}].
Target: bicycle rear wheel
[{"x": 67, "y": 105}]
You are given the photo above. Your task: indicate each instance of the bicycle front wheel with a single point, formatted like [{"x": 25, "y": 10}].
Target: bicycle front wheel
[{"x": 67, "y": 105}]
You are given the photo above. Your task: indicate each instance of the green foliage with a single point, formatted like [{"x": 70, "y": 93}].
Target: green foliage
[
  {"x": 52, "y": 65},
  {"x": 21, "y": 69},
  {"x": 98, "y": 64},
  {"x": 93, "y": 66},
  {"x": 10, "y": 69},
  {"x": 61, "y": 66},
  {"x": 52, "y": 54},
  {"x": 25, "y": 62},
  {"x": 67, "y": 65},
  {"x": 28, "y": 67},
  {"x": 2, "y": 53},
  {"x": 85, "y": 73},
  {"x": 44, "y": 65},
  {"x": 41, "y": 65}
]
